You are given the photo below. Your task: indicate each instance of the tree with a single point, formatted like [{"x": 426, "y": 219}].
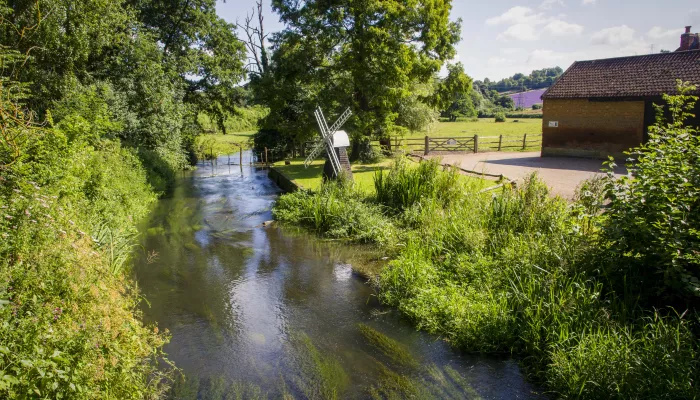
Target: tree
[
  {"x": 201, "y": 48},
  {"x": 453, "y": 94},
  {"x": 362, "y": 53}
]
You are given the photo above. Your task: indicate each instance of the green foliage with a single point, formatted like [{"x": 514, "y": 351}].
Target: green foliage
[
  {"x": 386, "y": 47},
  {"x": 537, "y": 79},
  {"x": 337, "y": 210},
  {"x": 114, "y": 82},
  {"x": 537, "y": 106},
  {"x": 69, "y": 327},
  {"x": 403, "y": 186},
  {"x": 510, "y": 272},
  {"x": 453, "y": 94},
  {"x": 651, "y": 232},
  {"x": 500, "y": 117}
]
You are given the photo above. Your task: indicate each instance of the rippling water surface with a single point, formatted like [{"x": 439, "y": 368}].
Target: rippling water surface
[{"x": 269, "y": 312}]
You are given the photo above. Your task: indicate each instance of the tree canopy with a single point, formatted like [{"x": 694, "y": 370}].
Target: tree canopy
[{"x": 366, "y": 54}]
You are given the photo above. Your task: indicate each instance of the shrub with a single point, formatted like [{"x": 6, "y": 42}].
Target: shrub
[
  {"x": 500, "y": 117},
  {"x": 537, "y": 106},
  {"x": 652, "y": 230}
]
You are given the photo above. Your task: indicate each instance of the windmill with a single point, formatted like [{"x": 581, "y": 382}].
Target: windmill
[{"x": 331, "y": 138}]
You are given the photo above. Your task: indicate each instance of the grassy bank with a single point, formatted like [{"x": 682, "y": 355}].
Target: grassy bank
[
  {"x": 363, "y": 174},
  {"x": 516, "y": 271}
]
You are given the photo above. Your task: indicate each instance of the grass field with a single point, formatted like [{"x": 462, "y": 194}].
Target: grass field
[
  {"x": 486, "y": 127},
  {"x": 363, "y": 174}
]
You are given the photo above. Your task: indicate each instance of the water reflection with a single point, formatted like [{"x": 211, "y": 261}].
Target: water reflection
[{"x": 267, "y": 312}]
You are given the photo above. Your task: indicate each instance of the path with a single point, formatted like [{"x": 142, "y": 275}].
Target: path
[{"x": 562, "y": 174}]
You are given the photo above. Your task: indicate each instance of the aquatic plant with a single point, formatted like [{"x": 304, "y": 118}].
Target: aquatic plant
[
  {"x": 388, "y": 346},
  {"x": 318, "y": 375}
]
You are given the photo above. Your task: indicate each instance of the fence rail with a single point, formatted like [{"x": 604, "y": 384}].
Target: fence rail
[
  {"x": 457, "y": 144},
  {"x": 462, "y": 144}
]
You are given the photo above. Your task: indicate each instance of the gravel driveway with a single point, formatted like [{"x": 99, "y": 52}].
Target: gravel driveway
[{"x": 562, "y": 174}]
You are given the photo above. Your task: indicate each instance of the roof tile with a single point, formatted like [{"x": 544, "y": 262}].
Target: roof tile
[{"x": 637, "y": 76}]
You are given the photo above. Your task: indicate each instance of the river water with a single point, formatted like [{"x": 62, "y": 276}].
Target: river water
[{"x": 270, "y": 312}]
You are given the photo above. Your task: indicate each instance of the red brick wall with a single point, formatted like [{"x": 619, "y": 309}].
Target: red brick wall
[{"x": 591, "y": 128}]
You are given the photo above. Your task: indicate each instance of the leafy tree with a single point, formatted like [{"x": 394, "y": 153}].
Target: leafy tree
[
  {"x": 362, "y": 53},
  {"x": 201, "y": 48},
  {"x": 453, "y": 94}
]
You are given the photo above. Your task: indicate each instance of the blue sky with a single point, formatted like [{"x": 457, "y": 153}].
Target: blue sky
[{"x": 502, "y": 37}]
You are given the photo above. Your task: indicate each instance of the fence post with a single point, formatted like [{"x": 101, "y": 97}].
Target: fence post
[
  {"x": 241, "y": 156},
  {"x": 524, "y": 140},
  {"x": 500, "y": 142},
  {"x": 427, "y": 146},
  {"x": 266, "y": 163},
  {"x": 476, "y": 143}
]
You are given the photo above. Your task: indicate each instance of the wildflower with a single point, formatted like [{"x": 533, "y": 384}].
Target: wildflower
[
  {"x": 8, "y": 217},
  {"x": 27, "y": 213},
  {"x": 16, "y": 190}
]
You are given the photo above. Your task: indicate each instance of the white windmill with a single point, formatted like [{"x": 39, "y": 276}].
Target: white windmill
[{"x": 332, "y": 138}]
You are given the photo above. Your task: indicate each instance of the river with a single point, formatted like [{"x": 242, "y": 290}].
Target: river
[{"x": 270, "y": 312}]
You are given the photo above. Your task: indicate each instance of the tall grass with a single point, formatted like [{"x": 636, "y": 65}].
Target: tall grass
[{"x": 508, "y": 272}]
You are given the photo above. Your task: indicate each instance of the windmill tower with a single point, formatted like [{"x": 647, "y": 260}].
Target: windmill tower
[{"x": 335, "y": 143}]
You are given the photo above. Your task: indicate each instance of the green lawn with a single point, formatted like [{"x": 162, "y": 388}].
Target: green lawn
[
  {"x": 363, "y": 174},
  {"x": 486, "y": 127},
  {"x": 311, "y": 178},
  {"x": 488, "y": 131}
]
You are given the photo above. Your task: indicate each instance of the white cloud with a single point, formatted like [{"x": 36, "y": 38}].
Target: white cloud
[
  {"x": 613, "y": 36},
  {"x": 558, "y": 27},
  {"x": 516, "y": 15},
  {"x": 659, "y": 33},
  {"x": 548, "y": 4},
  {"x": 588, "y": 2},
  {"x": 519, "y": 32},
  {"x": 498, "y": 61}
]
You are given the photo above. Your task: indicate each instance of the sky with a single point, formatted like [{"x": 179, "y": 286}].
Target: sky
[{"x": 503, "y": 37}]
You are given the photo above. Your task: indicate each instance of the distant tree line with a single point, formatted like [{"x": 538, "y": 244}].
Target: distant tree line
[{"x": 538, "y": 79}]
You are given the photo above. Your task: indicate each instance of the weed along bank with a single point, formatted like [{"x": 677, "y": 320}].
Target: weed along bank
[
  {"x": 572, "y": 290},
  {"x": 604, "y": 107}
]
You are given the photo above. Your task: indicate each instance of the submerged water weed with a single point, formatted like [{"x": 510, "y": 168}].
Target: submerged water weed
[
  {"x": 429, "y": 383},
  {"x": 318, "y": 376},
  {"x": 214, "y": 388},
  {"x": 396, "y": 351}
]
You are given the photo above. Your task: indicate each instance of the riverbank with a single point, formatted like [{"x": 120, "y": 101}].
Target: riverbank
[
  {"x": 71, "y": 327},
  {"x": 509, "y": 272}
]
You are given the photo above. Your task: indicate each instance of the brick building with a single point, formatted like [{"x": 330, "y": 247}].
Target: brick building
[{"x": 604, "y": 107}]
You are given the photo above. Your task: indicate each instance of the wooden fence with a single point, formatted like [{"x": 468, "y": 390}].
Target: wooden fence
[
  {"x": 458, "y": 144},
  {"x": 462, "y": 144}
]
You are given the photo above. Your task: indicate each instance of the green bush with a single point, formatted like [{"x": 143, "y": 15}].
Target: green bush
[
  {"x": 500, "y": 117},
  {"x": 337, "y": 210},
  {"x": 69, "y": 202},
  {"x": 537, "y": 106},
  {"x": 652, "y": 228}
]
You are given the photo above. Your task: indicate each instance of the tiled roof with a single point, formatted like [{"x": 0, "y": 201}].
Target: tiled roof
[{"x": 637, "y": 76}]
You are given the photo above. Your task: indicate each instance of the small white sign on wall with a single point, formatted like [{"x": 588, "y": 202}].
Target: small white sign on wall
[{"x": 554, "y": 124}]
